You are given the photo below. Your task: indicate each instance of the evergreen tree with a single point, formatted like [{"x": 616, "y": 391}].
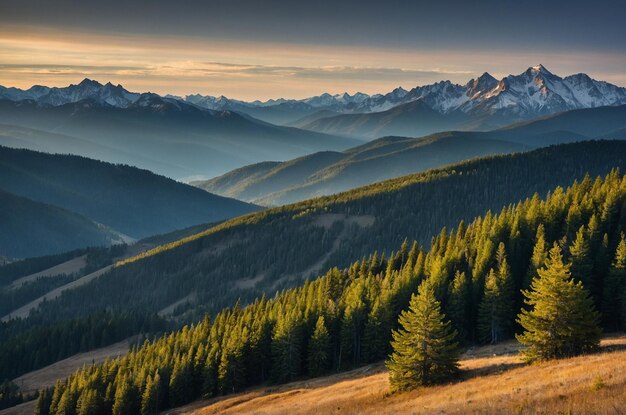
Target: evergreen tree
[
  {"x": 232, "y": 373},
  {"x": 496, "y": 312},
  {"x": 353, "y": 325},
  {"x": 540, "y": 254},
  {"x": 126, "y": 400},
  {"x": 319, "y": 349},
  {"x": 42, "y": 407},
  {"x": 562, "y": 320},
  {"x": 459, "y": 305},
  {"x": 67, "y": 403},
  {"x": 614, "y": 298},
  {"x": 287, "y": 348},
  {"x": 425, "y": 351},
  {"x": 582, "y": 264},
  {"x": 377, "y": 331},
  {"x": 149, "y": 399},
  {"x": 89, "y": 403},
  {"x": 180, "y": 383}
]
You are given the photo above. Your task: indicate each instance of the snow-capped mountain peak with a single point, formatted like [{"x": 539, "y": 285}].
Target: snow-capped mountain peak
[
  {"x": 534, "y": 92},
  {"x": 481, "y": 85}
]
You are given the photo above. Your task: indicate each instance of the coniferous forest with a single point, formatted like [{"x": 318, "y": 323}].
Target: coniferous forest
[
  {"x": 311, "y": 208},
  {"x": 280, "y": 243},
  {"x": 483, "y": 281}
]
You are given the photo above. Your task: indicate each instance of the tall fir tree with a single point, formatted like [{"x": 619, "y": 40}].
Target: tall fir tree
[
  {"x": 42, "y": 407},
  {"x": 126, "y": 398},
  {"x": 496, "y": 309},
  {"x": 580, "y": 257},
  {"x": 561, "y": 320},
  {"x": 425, "y": 350},
  {"x": 319, "y": 349},
  {"x": 539, "y": 256},
  {"x": 150, "y": 397},
  {"x": 89, "y": 403},
  {"x": 460, "y": 305},
  {"x": 287, "y": 347},
  {"x": 614, "y": 298},
  {"x": 377, "y": 331}
]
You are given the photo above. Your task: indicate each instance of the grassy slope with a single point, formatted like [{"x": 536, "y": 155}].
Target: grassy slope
[{"x": 494, "y": 381}]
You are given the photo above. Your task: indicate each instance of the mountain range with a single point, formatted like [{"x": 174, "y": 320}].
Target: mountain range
[
  {"x": 323, "y": 173},
  {"x": 532, "y": 93},
  {"x": 73, "y": 202},
  {"x": 483, "y": 103},
  {"x": 163, "y": 135}
]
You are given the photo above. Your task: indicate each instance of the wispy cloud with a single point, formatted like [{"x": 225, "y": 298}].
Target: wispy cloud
[
  {"x": 258, "y": 70},
  {"x": 322, "y": 72}
]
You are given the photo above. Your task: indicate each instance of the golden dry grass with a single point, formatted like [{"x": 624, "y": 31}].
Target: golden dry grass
[{"x": 494, "y": 381}]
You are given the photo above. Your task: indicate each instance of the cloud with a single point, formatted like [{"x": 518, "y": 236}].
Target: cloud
[
  {"x": 41, "y": 69},
  {"x": 219, "y": 69}
]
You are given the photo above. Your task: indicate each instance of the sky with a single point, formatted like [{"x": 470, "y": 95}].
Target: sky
[{"x": 261, "y": 49}]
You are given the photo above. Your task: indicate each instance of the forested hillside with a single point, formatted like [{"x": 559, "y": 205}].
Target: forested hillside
[
  {"x": 29, "y": 228},
  {"x": 25, "y": 344},
  {"x": 278, "y": 248},
  {"x": 129, "y": 200},
  {"x": 328, "y": 172},
  {"x": 266, "y": 251},
  {"x": 345, "y": 318}
]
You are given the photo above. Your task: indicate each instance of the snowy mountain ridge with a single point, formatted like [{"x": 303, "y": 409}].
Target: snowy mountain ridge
[{"x": 532, "y": 93}]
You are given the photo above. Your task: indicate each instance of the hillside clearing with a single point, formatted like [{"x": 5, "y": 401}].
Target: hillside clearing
[
  {"x": 72, "y": 266},
  {"x": 23, "y": 311},
  {"x": 494, "y": 381}
]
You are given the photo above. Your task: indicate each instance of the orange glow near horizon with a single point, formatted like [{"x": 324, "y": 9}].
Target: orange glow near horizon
[{"x": 247, "y": 70}]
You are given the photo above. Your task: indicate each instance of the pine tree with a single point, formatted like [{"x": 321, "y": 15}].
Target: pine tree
[
  {"x": 540, "y": 254},
  {"x": 179, "y": 387},
  {"x": 287, "y": 348},
  {"x": 377, "y": 331},
  {"x": 232, "y": 372},
  {"x": 89, "y": 402},
  {"x": 614, "y": 298},
  {"x": 353, "y": 325},
  {"x": 319, "y": 349},
  {"x": 459, "y": 305},
  {"x": 496, "y": 312},
  {"x": 42, "y": 407},
  {"x": 425, "y": 351},
  {"x": 582, "y": 264},
  {"x": 149, "y": 399},
  {"x": 562, "y": 320},
  {"x": 126, "y": 400}
]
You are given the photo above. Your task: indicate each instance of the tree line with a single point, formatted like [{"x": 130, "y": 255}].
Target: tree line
[
  {"x": 31, "y": 346},
  {"x": 479, "y": 275}
]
